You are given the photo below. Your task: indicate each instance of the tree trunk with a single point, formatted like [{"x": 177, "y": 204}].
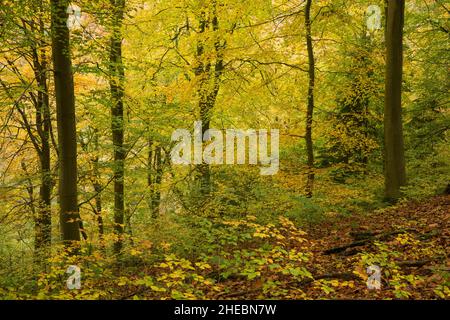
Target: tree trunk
[
  {"x": 395, "y": 175},
  {"x": 156, "y": 192},
  {"x": 116, "y": 82},
  {"x": 97, "y": 187},
  {"x": 43, "y": 123},
  {"x": 202, "y": 73},
  {"x": 154, "y": 177},
  {"x": 65, "y": 109},
  {"x": 209, "y": 79},
  {"x": 43, "y": 221},
  {"x": 310, "y": 106},
  {"x": 98, "y": 200}
]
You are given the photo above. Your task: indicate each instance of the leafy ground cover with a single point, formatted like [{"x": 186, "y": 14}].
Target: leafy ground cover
[{"x": 244, "y": 259}]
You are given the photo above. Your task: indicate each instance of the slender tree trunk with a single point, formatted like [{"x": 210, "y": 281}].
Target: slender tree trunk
[
  {"x": 117, "y": 75},
  {"x": 156, "y": 192},
  {"x": 98, "y": 201},
  {"x": 202, "y": 73},
  {"x": 97, "y": 187},
  {"x": 65, "y": 109},
  {"x": 43, "y": 123},
  {"x": 43, "y": 222},
  {"x": 154, "y": 177},
  {"x": 310, "y": 106},
  {"x": 37, "y": 226},
  {"x": 209, "y": 73},
  {"x": 395, "y": 173},
  {"x": 150, "y": 169}
]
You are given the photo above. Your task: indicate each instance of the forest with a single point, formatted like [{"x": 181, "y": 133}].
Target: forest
[{"x": 224, "y": 149}]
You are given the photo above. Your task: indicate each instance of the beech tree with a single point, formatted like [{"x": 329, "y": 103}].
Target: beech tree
[
  {"x": 116, "y": 82},
  {"x": 65, "y": 110},
  {"x": 395, "y": 174},
  {"x": 310, "y": 99},
  {"x": 208, "y": 71}
]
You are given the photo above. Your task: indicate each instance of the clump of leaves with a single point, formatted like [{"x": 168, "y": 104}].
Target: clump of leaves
[{"x": 397, "y": 280}]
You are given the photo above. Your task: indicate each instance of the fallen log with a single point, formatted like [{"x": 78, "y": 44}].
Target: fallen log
[
  {"x": 378, "y": 236},
  {"x": 362, "y": 235},
  {"x": 342, "y": 276},
  {"x": 412, "y": 263},
  {"x": 421, "y": 263},
  {"x": 345, "y": 247}
]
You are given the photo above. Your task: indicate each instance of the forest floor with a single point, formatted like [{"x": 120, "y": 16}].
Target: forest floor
[
  {"x": 406, "y": 245},
  {"x": 408, "y": 242}
]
